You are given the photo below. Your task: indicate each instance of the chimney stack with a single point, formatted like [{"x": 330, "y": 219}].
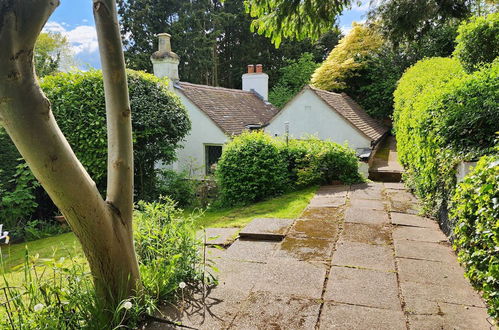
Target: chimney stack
[
  {"x": 256, "y": 81},
  {"x": 164, "y": 61}
]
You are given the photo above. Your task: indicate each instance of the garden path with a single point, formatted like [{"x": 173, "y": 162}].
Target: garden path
[{"x": 358, "y": 258}]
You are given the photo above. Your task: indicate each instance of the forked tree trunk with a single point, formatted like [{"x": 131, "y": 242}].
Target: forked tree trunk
[{"x": 104, "y": 227}]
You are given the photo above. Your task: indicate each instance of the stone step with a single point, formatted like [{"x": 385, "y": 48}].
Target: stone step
[{"x": 270, "y": 229}]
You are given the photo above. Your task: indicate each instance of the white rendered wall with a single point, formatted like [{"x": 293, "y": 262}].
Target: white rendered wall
[
  {"x": 307, "y": 114},
  {"x": 203, "y": 132},
  {"x": 259, "y": 82}
]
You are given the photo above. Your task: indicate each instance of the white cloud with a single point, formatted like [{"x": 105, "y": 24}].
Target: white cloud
[
  {"x": 364, "y": 5},
  {"x": 84, "y": 20},
  {"x": 82, "y": 38}
]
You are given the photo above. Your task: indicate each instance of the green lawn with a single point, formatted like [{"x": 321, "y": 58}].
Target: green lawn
[{"x": 289, "y": 205}]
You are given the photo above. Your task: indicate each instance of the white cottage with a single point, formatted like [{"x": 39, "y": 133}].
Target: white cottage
[
  {"x": 217, "y": 114},
  {"x": 328, "y": 116}
]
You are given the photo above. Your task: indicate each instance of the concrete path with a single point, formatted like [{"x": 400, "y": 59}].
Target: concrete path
[
  {"x": 358, "y": 258},
  {"x": 385, "y": 165}
]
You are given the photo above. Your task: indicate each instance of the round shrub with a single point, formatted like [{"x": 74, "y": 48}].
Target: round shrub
[
  {"x": 251, "y": 169},
  {"x": 475, "y": 211},
  {"x": 314, "y": 161},
  {"x": 159, "y": 121},
  {"x": 478, "y": 41}
]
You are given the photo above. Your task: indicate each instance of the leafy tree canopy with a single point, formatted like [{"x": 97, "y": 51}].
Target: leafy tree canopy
[
  {"x": 347, "y": 58},
  {"x": 280, "y": 19},
  {"x": 51, "y": 50},
  {"x": 294, "y": 76}
]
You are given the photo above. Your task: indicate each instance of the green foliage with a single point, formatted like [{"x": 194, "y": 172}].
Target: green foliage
[
  {"x": 281, "y": 19},
  {"x": 159, "y": 122},
  {"x": 475, "y": 212},
  {"x": 442, "y": 116},
  {"x": 166, "y": 246},
  {"x": 314, "y": 161},
  {"x": 294, "y": 76},
  {"x": 347, "y": 58},
  {"x": 50, "y": 50},
  {"x": 251, "y": 169},
  {"x": 57, "y": 294},
  {"x": 38, "y": 229},
  {"x": 212, "y": 38},
  {"x": 178, "y": 186},
  {"x": 255, "y": 166},
  {"x": 478, "y": 41},
  {"x": 17, "y": 204}
]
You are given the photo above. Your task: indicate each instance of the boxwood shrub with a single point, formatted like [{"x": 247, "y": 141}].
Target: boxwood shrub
[{"x": 475, "y": 211}]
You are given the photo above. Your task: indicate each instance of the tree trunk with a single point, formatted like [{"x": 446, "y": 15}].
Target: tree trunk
[{"x": 104, "y": 227}]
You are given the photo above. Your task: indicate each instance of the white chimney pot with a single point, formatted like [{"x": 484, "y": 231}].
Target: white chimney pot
[{"x": 257, "y": 81}]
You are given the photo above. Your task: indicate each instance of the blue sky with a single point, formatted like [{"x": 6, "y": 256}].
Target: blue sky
[{"x": 74, "y": 19}]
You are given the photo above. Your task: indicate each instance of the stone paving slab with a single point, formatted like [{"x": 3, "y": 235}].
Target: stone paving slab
[
  {"x": 333, "y": 191},
  {"x": 286, "y": 276},
  {"x": 373, "y": 194},
  {"x": 219, "y": 236},
  {"x": 327, "y": 202},
  {"x": 250, "y": 250},
  {"x": 404, "y": 207},
  {"x": 459, "y": 294},
  {"x": 264, "y": 310},
  {"x": 395, "y": 185},
  {"x": 419, "y": 234},
  {"x": 314, "y": 229},
  {"x": 239, "y": 275},
  {"x": 347, "y": 317},
  {"x": 377, "y": 257},
  {"x": 361, "y": 233},
  {"x": 441, "y": 252},
  {"x": 430, "y": 272},
  {"x": 266, "y": 229},
  {"x": 308, "y": 249},
  {"x": 366, "y": 216},
  {"x": 363, "y": 287},
  {"x": 464, "y": 317},
  {"x": 369, "y": 186},
  {"x": 404, "y": 219},
  {"x": 323, "y": 214},
  {"x": 370, "y": 204}
]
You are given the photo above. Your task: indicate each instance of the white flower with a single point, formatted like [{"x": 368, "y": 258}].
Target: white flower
[
  {"x": 127, "y": 305},
  {"x": 38, "y": 307},
  {"x": 182, "y": 285}
]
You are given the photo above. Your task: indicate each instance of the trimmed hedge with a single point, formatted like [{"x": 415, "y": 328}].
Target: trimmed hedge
[
  {"x": 255, "y": 166},
  {"x": 475, "y": 212},
  {"x": 314, "y": 161},
  {"x": 251, "y": 169},
  {"x": 478, "y": 41}
]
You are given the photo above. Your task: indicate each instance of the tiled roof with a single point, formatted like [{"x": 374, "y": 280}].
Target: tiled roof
[
  {"x": 351, "y": 111},
  {"x": 231, "y": 109}
]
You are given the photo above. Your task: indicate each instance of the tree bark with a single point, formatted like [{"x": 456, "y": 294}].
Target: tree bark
[{"x": 104, "y": 228}]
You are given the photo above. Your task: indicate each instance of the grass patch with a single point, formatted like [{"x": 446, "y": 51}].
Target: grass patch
[{"x": 289, "y": 206}]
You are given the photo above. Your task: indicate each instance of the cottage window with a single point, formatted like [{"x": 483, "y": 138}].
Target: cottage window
[{"x": 213, "y": 153}]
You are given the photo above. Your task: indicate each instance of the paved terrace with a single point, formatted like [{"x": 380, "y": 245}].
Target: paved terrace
[{"x": 358, "y": 258}]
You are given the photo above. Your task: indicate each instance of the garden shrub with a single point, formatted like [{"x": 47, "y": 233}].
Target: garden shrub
[
  {"x": 443, "y": 116},
  {"x": 251, "y": 169},
  {"x": 166, "y": 246},
  {"x": 159, "y": 121},
  {"x": 475, "y": 212},
  {"x": 314, "y": 161},
  {"x": 178, "y": 186},
  {"x": 478, "y": 41}
]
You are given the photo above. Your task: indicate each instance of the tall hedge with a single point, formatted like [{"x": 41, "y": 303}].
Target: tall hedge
[
  {"x": 159, "y": 121},
  {"x": 442, "y": 116},
  {"x": 475, "y": 211},
  {"x": 478, "y": 41}
]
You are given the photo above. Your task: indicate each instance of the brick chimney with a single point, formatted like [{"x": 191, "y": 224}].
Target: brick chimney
[
  {"x": 256, "y": 81},
  {"x": 164, "y": 61}
]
